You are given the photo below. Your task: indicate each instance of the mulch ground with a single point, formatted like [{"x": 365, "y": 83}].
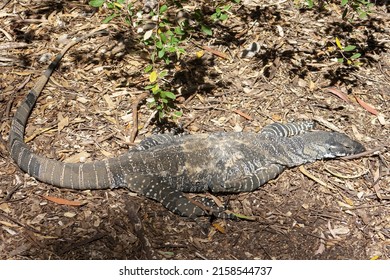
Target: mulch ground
[{"x": 338, "y": 209}]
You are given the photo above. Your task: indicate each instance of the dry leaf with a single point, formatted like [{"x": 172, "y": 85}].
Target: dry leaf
[
  {"x": 62, "y": 122},
  {"x": 69, "y": 214},
  {"x": 340, "y": 230},
  {"x": 344, "y": 205},
  {"x": 38, "y": 218},
  {"x": 348, "y": 200},
  {"x": 322, "y": 247},
  {"x": 338, "y": 93},
  {"x": 106, "y": 153},
  {"x": 367, "y": 106},
  {"x": 109, "y": 101},
  {"x": 7, "y": 224},
  {"x": 382, "y": 120},
  {"x": 331, "y": 230},
  {"x": 5, "y": 208},
  {"x": 276, "y": 117},
  {"x": 10, "y": 231},
  {"x": 82, "y": 100},
  {"x": 219, "y": 227},
  {"x": 148, "y": 34},
  {"x": 199, "y": 54},
  {"x": 63, "y": 201}
]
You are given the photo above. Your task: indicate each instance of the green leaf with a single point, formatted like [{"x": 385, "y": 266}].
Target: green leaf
[
  {"x": 150, "y": 86},
  {"x": 340, "y": 60},
  {"x": 223, "y": 17},
  {"x": 207, "y": 30},
  {"x": 96, "y": 3},
  {"x": 161, "y": 114},
  {"x": 178, "y": 114},
  {"x": 128, "y": 21},
  {"x": 156, "y": 89},
  {"x": 148, "y": 68},
  {"x": 163, "y": 73},
  {"x": 227, "y": 8},
  {"x": 363, "y": 15},
  {"x": 170, "y": 95},
  {"x": 161, "y": 53},
  {"x": 349, "y": 48},
  {"x": 179, "y": 31},
  {"x": 309, "y": 3},
  {"x": 163, "y": 8},
  {"x": 356, "y": 55},
  {"x": 163, "y": 37},
  {"x": 159, "y": 45},
  {"x": 344, "y": 2},
  {"x": 109, "y": 18}
]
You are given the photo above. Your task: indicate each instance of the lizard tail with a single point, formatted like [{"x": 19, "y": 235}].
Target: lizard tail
[{"x": 92, "y": 175}]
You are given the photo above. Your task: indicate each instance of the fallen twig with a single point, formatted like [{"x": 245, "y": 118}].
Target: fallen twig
[
  {"x": 365, "y": 153},
  {"x": 134, "y": 130}
]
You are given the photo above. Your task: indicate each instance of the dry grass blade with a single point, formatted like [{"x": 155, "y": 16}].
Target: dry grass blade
[
  {"x": 314, "y": 178},
  {"x": 345, "y": 176}
]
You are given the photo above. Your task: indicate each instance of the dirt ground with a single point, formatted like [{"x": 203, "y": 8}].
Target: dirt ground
[{"x": 338, "y": 209}]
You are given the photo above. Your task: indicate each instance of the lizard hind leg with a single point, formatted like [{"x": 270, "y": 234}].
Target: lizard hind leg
[{"x": 157, "y": 188}]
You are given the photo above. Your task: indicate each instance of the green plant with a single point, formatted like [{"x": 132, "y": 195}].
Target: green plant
[
  {"x": 347, "y": 54},
  {"x": 165, "y": 40},
  {"x": 117, "y": 8},
  {"x": 160, "y": 99},
  {"x": 221, "y": 13},
  {"x": 350, "y": 7},
  {"x": 360, "y": 7}
]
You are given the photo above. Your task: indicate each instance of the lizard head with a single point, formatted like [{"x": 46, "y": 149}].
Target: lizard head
[{"x": 332, "y": 144}]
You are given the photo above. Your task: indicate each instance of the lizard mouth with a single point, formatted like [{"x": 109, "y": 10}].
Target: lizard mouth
[{"x": 341, "y": 151}]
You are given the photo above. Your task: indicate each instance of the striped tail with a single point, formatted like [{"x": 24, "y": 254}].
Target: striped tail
[{"x": 94, "y": 175}]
